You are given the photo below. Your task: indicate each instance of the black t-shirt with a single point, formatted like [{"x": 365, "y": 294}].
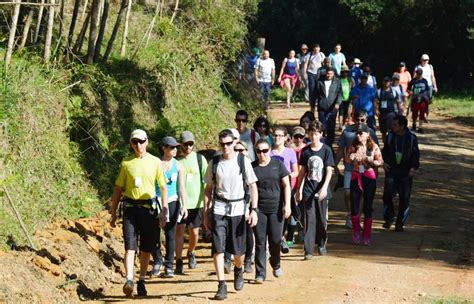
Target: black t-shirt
[
  {"x": 387, "y": 101},
  {"x": 315, "y": 163},
  {"x": 269, "y": 185}
]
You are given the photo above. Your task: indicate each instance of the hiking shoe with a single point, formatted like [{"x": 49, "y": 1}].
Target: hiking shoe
[
  {"x": 349, "y": 221},
  {"x": 227, "y": 266},
  {"x": 308, "y": 257},
  {"x": 290, "y": 244},
  {"x": 221, "y": 293},
  {"x": 413, "y": 128},
  {"x": 399, "y": 228},
  {"x": 169, "y": 273},
  {"x": 277, "y": 272},
  {"x": 156, "y": 270},
  {"x": 284, "y": 247},
  {"x": 248, "y": 267},
  {"x": 179, "y": 267},
  {"x": 238, "y": 278},
  {"x": 386, "y": 225},
  {"x": 259, "y": 280},
  {"x": 192, "y": 260},
  {"x": 141, "y": 290},
  {"x": 425, "y": 120},
  {"x": 128, "y": 288},
  {"x": 420, "y": 130},
  {"x": 322, "y": 250}
]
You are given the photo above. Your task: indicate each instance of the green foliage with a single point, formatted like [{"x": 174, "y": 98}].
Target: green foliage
[
  {"x": 367, "y": 12},
  {"x": 456, "y": 104}
]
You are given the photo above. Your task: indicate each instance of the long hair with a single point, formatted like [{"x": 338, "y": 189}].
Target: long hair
[{"x": 370, "y": 144}]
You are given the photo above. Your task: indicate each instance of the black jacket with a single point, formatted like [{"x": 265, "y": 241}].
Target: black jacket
[
  {"x": 410, "y": 157},
  {"x": 326, "y": 103}
]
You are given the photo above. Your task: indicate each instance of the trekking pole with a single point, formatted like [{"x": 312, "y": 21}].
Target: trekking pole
[{"x": 23, "y": 227}]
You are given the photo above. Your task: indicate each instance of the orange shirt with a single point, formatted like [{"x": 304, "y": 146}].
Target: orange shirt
[{"x": 405, "y": 79}]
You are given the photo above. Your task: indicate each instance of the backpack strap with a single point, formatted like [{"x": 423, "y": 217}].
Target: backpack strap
[
  {"x": 241, "y": 161},
  {"x": 215, "y": 162},
  {"x": 253, "y": 136},
  {"x": 199, "y": 161}
]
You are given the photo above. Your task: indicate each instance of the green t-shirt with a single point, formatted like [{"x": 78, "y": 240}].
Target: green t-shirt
[
  {"x": 194, "y": 184},
  {"x": 346, "y": 88}
]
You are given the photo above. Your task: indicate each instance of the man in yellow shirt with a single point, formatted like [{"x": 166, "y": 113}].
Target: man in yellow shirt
[{"x": 137, "y": 178}]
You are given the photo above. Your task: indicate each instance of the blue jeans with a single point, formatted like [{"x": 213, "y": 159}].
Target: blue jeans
[
  {"x": 265, "y": 91},
  {"x": 328, "y": 119}
]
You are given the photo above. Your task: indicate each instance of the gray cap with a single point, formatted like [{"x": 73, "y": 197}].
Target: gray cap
[
  {"x": 169, "y": 141},
  {"x": 187, "y": 136}
]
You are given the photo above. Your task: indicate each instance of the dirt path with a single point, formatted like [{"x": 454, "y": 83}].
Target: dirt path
[{"x": 431, "y": 260}]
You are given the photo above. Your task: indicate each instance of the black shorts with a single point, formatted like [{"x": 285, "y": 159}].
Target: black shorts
[
  {"x": 194, "y": 219},
  {"x": 140, "y": 222},
  {"x": 344, "y": 109},
  {"x": 228, "y": 234}
]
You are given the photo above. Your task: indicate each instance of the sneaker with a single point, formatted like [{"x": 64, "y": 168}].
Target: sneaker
[
  {"x": 349, "y": 221},
  {"x": 366, "y": 242},
  {"x": 169, "y": 273},
  {"x": 322, "y": 250},
  {"x": 308, "y": 257},
  {"x": 221, "y": 293},
  {"x": 284, "y": 247},
  {"x": 420, "y": 130},
  {"x": 179, "y": 267},
  {"x": 238, "y": 278},
  {"x": 259, "y": 280},
  {"x": 128, "y": 288},
  {"x": 277, "y": 272},
  {"x": 290, "y": 244},
  {"x": 248, "y": 267},
  {"x": 425, "y": 120},
  {"x": 386, "y": 225},
  {"x": 413, "y": 128},
  {"x": 156, "y": 270},
  {"x": 192, "y": 260},
  {"x": 399, "y": 228},
  {"x": 141, "y": 290},
  {"x": 227, "y": 266}
]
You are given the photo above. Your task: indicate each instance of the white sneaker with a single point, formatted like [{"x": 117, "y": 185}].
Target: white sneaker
[
  {"x": 349, "y": 221},
  {"x": 277, "y": 272}
]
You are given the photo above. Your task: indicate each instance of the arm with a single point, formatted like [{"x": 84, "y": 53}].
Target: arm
[
  {"x": 323, "y": 193},
  {"x": 182, "y": 189},
  {"x": 287, "y": 197},
  {"x": 294, "y": 171},
  {"x": 376, "y": 159},
  {"x": 338, "y": 96},
  {"x": 283, "y": 65},
  {"x": 299, "y": 188},
  {"x": 115, "y": 200},
  {"x": 207, "y": 205},
  {"x": 415, "y": 158},
  {"x": 253, "y": 219},
  {"x": 376, "y": 106},
  {"x": 305, "y": 71},
  {"x": 256, "y": 71},
  {"x": 433, "y": 80},
  {"x": 164, "y": 203}
]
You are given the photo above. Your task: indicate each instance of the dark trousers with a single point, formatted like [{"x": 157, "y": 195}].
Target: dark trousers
[
  {"x": 392, "y": 186},
  {"x": 316, "y": 224},
  {"x": 269, "y": 226},
  {"x": 328, "y": 119},
  {"x": 368, "y": 193},
  {"x": 170, "y": 238},
  {"x": 249, "y": 243},
  {"x": 312, "y": 82},
  {"x": 371, "y": 122},
  {"x": 265, "y": 91}
]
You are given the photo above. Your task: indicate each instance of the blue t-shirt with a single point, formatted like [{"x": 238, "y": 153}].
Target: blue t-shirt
[
  {"x": 336, "y": 61},
  {"x": 365, "y": 98},
  {"x": 290, "y": 67},
  {"x": 356, "y": 72},
  {"x": 172, "y": 186}
]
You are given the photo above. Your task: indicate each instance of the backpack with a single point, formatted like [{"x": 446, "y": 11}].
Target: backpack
[
  {"x": 199, "y": 160},
  {"x": 241, "y": 162}
]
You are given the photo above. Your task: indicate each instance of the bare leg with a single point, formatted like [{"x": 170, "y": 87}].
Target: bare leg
[
  {"x": 239, "y": 261},
  {"x": 193, "y": 239},
  {"x": 144, "y": 260},
  {"x": 219, "y": 266},
  {"x": 129, "y": 261},
  {"x": 288, "y": 91}
]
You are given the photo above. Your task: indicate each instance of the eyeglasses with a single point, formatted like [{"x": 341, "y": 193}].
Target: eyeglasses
[
  {"x": 361, "y": 119},
  {"x": 228, "y": 144},
  {"x": 240, "y": 120},
  {"x": 262, "y": 151},
  {"x": 136, "y": 141},
  {"x": 188, "y": 144},
  {"x": 298, "y": 136},
  {"x": 239, "y": 150},
  {"x": 262, "y": 126},
  {"x": 279, "y": 135}
]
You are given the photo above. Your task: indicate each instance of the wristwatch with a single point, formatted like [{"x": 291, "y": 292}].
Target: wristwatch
[{"x": 254, "y": 209}]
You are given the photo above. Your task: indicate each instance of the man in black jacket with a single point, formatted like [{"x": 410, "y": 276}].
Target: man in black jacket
[
  {"x": 401, "y": 161},
  {"x": 329, "y": 99}
]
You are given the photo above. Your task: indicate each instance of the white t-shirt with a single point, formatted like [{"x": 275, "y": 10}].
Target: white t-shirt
[
  {"x": 229, "y": 185},
  {"x": 264, "y": 68},
  {"x": 315, "y": 62},
  {"x": 427, "y": 72},
  {"x": 327, "y": 84},
  {"x": 247, "y": 138}
]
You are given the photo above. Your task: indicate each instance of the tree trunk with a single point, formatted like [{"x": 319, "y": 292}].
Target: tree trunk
[
  {"x": 11, "y": 39},
  {"x": 100, "y": 38},
  {"x": 93, "y": 31},
  {"x": 49, "y": 33},
  {"x": 147, "y": 32},
  {"x": 38, "y": 24},
  {"x": 26, "y": 28},
  {"x": 125, "y": 30},
  {"x": 175, "y": 11},
  {"x": 157, "y": 12},
  {"x": 110, "y": 45},
  {"x": 84, "y": 10},
  {"x": 72, "y": 27},
  {"x": 80, "y": 39}
]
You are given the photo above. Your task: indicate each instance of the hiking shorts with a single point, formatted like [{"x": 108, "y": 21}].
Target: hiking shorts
[
  {"x": 194, "y": 219},
  {"x": 140, "y": 222},
  {"x": 228, "y": 234}
]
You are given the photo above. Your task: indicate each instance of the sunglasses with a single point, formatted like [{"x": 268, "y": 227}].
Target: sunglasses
[
  {"x": 136, "y": 141},
  {"x": 240, "y": 120},
  {"x": 279, "y": 135},
  {"x": 228, "y": 144},
  {"x": 239, "y": 150},
  {"x": 360, "y": 119},
  {"x": 262, "y": 151},
  {"x": 262, "y": 126},
  {"x": 188, "y": 144}
]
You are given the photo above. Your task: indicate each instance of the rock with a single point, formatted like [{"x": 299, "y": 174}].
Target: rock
[
  {"x": 46, "y": 264},
  {"x": 405, "y": 299},
  {"x": 422, "y": 294},
  {"x": 93, "y": 244},
  {"x": 64, "y": 236},
  {"x": 347, "y": 294},
  {"x": 82, "y": 225}
]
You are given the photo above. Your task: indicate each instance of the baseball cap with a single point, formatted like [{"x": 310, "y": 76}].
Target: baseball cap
[
  {"x": 419, "y": 71},
  {"x": 365, "y": 75},
  {"x": 299, "y": 131},
  {"x": 396, "y": 76},
  {"x": 402, "y": 64},
  {"x": 425, "y": 57},
  {"x": 170, "y": 141},
  {"x": 386, "y": 78},
  {"x": 187, "y": 136},
  {"x": 138, "y": 134},
  {"x": 304, "y": 46},
  {"x": 357, "y": 61},
  {"x": 363, "y": 128}
]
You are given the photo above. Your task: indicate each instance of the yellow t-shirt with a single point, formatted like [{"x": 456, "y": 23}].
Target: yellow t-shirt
[{"x": 138, "y": 176}]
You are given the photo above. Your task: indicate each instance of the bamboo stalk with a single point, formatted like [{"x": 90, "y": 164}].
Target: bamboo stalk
[
  {"x": 29, "y": 4},
  {"x": 157, "y": 12},
  {"x": 110, "y": 45},
  {"x": 26, "y": 28},
  {"x": 175, "y": 11},
  {"x": 72, "y": 26},
  {"x": 38, "y": 24},
  {"x": 84, "y": 10},
  {"x": 93, "y": 31},
  {"x": 49, "y": 34},
  {"x": 125, "y": 30},
  {"x": 100, "y": 37},
  {"x": 11, "y": 39},
  {"x": 82, "y": 34}
]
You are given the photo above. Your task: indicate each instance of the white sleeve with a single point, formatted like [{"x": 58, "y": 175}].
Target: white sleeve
[{"x": 251, "y": 177}]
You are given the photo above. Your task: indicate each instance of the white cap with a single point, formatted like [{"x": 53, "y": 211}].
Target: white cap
[
  {"x": 138, "y": 134},
  {"x": 235, "y": 133},
  {"x": 304, "y": 46},
  {"x": 425, "y": 57},
  {"x": 357, "y": 61}
]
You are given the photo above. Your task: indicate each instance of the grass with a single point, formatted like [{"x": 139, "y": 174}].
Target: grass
[
  {"x": 457, "y": 105},
  {"x": 446, "y": 300}
]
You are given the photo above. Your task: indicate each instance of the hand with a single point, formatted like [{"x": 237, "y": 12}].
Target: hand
[
  {"x": 386, "y": 167},
  {"x": 185, "y": 213},
  {"x": 207, "y": 223},
  {"x": 412, "y": 172},
  {"x": 435, "y": 89},
  {"x": 336, "y": 107},
  {"x": 353, "y": 156},
  {"x": 258, "y": 82},
  {"x": 112, "y": 220},
  {"x": 273, "y": 82},
  {"x": 323, "y": 193},
  {"x": 253, "y": 218},
  {"x": 162, "y": 217},
  {"x": 286, "y": 212},
  {"x": 279, "y": 79}
]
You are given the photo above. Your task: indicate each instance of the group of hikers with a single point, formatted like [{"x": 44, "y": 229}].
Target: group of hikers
[{"x": 264, "y": 183}]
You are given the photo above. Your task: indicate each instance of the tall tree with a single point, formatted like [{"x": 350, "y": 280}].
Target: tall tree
[
  {"x": 103, "y": 23},
  {"x": 110, "y": 45},
  {"x": 49, "y": 32},
  {"x": 125, "y": 30},
  {"x": 26, "y": 28},
  {"x": 72, "y": 26},
  {"x": 11, "y": 38},
  {"x": 93, "y": 31},
  {"x": 38, "y": 23}
]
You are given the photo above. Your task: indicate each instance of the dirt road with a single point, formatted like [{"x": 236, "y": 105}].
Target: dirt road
[{"x": 431, "y": 260}]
